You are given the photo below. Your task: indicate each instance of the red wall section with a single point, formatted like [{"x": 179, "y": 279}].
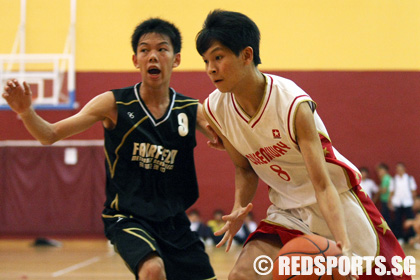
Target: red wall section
[
  {"x": 40, "y": 194},
  {"x": 371, "y": 117}
]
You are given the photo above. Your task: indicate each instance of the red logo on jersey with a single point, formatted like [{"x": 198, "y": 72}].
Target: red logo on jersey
[{"x": 276, "y": 134}]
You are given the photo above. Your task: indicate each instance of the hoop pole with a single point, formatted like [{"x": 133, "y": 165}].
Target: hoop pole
[
  {"x": 71, "y": 83},
  {"x": 22, "y": 45},
  {"x": 22, "y": 33}
]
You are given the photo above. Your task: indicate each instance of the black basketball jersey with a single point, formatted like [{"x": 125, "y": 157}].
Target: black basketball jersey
[{"x": 149, "y": 162}]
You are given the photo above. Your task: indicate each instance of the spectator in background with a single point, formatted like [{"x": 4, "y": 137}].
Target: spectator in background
[
  {"x": 203, "y": 231},
  {"x": 403, "y": 192},
  {"x": 369, "y": 186},
  {"x": 248, "y": 227},
  {"x": 385, "y": 182},
  {"x": 216, "y": 224},
  {"x": 414, "y": 224}
]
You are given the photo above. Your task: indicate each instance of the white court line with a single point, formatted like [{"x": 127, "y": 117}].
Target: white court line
[{"x": 75, "y": 267}]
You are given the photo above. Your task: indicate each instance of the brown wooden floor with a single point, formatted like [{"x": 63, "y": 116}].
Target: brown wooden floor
[
  {"x": 87, "y": 259},
  {"x": 91, "y": 259}
]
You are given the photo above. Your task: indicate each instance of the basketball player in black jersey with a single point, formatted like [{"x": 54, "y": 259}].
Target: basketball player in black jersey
[{"x": 149, "y": 142}]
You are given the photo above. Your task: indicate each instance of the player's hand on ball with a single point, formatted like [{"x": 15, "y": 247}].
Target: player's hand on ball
[{"x": 348, "y": 253}]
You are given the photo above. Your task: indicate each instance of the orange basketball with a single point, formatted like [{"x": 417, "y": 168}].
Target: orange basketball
[{"x": 304, "y": 250}]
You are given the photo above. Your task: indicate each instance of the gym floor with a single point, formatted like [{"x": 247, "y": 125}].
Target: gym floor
[{"x": 93, "y": 259}]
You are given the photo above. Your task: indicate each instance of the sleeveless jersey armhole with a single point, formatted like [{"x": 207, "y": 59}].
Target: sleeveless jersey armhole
[{"x": 292, "y": 115}]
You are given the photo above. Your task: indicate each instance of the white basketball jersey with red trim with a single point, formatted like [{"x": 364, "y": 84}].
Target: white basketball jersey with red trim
[{"x": 268, "y": 141}]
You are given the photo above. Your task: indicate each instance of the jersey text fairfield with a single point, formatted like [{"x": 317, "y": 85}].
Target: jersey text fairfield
[{"x": 147, "y": 150}]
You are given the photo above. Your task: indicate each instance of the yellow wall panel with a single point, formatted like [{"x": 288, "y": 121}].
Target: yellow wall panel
[
  {"x": 9, "y": 25},
  {"x": 296, "y": 35}
]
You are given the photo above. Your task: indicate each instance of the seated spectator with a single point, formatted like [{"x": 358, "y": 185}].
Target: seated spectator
[
  {"x": 414, "y": 224},
  {"x": 216, "y": 224},
  {"x": 203, "y": 231},
  {"x": 369, "y": 186}
]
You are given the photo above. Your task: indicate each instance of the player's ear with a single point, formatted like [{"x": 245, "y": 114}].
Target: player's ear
[
  {"x": 248, "y": 55},
  {"x": 177, "y": 60},
  {"x": 134, "y": 58}
]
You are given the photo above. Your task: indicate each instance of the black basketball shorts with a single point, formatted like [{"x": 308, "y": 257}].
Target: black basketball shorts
[{"x": 181, "y": 250}]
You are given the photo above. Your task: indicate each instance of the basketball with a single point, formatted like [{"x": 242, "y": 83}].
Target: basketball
[{"x": 309, "y": 246}]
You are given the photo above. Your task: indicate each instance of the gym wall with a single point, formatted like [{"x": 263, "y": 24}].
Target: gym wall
[{"x": 358, "y": 60}]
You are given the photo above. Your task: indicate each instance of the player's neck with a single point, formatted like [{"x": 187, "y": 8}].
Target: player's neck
[
  {"x": 156, "y": 99},
  {"x": 250, "y": 94}
]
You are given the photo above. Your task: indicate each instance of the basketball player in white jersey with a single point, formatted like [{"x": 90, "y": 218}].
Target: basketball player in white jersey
[{"x": 272, "y": 132}]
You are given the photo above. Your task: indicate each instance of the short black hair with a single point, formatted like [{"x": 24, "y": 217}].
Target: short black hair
[
  {"x": 383, "y": 166},
  {"x": 364, "y": 169},
  {"x": 159, "y": 26},
  {"x": 218, "y": 211},
  {"x": 234, "y": 30},
  {"x": 194, "y": 212}
]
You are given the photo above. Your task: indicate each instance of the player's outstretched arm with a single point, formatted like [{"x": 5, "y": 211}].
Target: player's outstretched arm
[
  {"x": 246, "y": 183},
  {"x": 326, "y": 194},
  {"x": 19, "y": 98}
]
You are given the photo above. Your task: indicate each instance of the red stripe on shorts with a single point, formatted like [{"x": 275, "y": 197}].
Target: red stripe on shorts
[
  {"x": 285, "y": 234},
  {"x": 388, "y": 243}
]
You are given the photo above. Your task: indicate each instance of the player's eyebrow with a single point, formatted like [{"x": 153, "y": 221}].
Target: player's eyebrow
[
  {"x": 159, "y": 44},
  {"x": 217, "y": 48}
]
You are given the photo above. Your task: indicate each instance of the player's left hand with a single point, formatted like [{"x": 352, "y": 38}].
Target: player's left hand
[
  {"x": 234, "y": 222},
  {"x": 216, "y": 142},
  {"x": 19, "y": 97}
]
